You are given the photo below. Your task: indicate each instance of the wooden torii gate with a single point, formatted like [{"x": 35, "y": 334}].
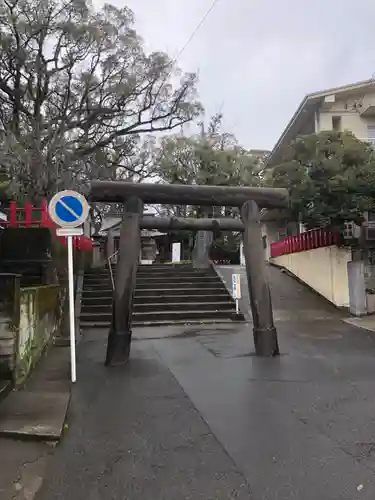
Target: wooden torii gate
[{"x": 134, "y": 196}]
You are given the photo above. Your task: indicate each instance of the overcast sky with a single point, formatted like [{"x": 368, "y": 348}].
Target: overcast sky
[{"x": 258, "y": 58}]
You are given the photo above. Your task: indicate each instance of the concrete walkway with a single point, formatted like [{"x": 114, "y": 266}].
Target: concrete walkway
[{"x": 195, "y": 415}]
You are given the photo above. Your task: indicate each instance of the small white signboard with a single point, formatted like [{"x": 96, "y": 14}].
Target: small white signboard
[
  {"x": 236, "y": 290},
  {"x": 176, "y": 252},
  {"x": 69, "y": 231},
  {"x": 236, "y": 286}
]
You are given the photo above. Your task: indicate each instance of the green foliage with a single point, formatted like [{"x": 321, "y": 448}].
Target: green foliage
[
  {"x": 331, "y": 178},
  {"x": 77, "y": 91},
  {"x": 211, "y": 157}
]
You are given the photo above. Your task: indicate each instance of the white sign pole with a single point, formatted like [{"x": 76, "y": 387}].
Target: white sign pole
[
  {"x": 69, "y": 210},
  {"x": 71, "y": 310}
]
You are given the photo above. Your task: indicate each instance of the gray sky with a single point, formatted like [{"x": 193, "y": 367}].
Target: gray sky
[{"x": 258, "y": 58}]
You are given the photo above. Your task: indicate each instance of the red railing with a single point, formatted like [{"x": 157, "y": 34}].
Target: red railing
[
  {"x": 27, "y": 216},
  {"x": 316, "y": 238},
  {"x": 30, "y": 216}
]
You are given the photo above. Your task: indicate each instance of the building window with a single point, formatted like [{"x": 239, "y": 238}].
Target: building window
[{"x": 336, "y": 123}]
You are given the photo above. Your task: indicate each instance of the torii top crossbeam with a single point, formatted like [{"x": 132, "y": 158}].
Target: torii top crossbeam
[{"x": 179, "y": 194}]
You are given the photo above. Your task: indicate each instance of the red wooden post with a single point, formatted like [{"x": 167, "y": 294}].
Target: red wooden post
[
  {"x": 299, "y": 242},
  {"x": 44, "y": 219},
  {"x": 309, "y": 240},
  {"x": 329, "y": 238},
  {"x": 320, "y": 238},
  {"x": 12, "y": 214},
  {"x": 276, "y": 249},
  {"x": 305, "y": 243},
  {"x": 28, "y": 214},
  {"x": 315, "y": 238},
  {"x": 324, "y": 237}
]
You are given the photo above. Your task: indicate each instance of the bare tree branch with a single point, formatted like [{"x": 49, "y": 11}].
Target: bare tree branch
[{"x": 73, "y": 83}]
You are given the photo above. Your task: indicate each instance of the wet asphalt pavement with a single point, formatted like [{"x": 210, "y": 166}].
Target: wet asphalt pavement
[{"x": 194, "y": 415}]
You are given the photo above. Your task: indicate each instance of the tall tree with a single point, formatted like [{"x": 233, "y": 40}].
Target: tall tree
[
  {"x": 331, "y": 178},
  {"x": 76, "y": 92},
  {"x": 211, "y": 157}
]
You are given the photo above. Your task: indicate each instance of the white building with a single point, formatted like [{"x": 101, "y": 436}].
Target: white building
[{"x": 350, "y": 107}]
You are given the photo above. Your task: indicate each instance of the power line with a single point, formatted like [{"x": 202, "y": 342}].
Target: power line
[{"x": 198, "y": 27}]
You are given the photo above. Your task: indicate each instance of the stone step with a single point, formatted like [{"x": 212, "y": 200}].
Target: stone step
[
  {"x": 213, "y": 289},
  {"x": 187, "y": 314},
  {"x": 164, "y": 295},
  {"x": 188, "y": 285},
  {"x": 150, "y": 269},
  {"x": 151, "y": 281},
  {"x": 217, "y": 283},
  {"x": 158, "y": 298},
  {"x": 104, "y": 292},
  {"x": 139, "y": 324},
  {"x": 208, "y": 305},
  {"x": 94, "y": 280}
]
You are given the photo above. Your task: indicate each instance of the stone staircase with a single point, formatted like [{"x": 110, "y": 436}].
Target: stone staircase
[{"x": 164, "y": 295}]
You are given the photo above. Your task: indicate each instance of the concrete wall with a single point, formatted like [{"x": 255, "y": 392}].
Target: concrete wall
[
  {"x": 38, "y": 323},
  {"x": 323, "y": 269},
  {"x": 9, "y": 320}
]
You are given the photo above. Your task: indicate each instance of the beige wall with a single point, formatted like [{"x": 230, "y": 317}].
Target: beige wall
[
  {"x": 349, "y": 121},
  {"x": 350, "y": 118},
  {"x": 323, "y": 269}
]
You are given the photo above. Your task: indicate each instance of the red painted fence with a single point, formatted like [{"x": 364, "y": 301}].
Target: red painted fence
[
  {"x": 316, "y": 238},
  {"x": 29, "y": 216}
]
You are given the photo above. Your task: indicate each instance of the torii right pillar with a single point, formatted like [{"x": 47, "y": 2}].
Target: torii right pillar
[{"x": 265, "y": 334}]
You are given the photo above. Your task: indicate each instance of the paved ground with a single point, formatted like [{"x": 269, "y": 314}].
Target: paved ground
[
  {"x": 195, "y": 415},
  {"x": 291, "y": 300},
  {"x": 38, "y": 411}
]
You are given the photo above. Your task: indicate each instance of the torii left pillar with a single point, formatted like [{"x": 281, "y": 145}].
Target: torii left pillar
[
  {"x": 120, "y": 334},
  {"x": 265, "y": 335}
]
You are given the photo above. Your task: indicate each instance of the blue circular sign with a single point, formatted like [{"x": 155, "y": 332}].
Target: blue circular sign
[{"x": 68, "y": 209}]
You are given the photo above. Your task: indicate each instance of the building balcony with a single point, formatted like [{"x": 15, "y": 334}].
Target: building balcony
[{"x": 368, "y": 112}]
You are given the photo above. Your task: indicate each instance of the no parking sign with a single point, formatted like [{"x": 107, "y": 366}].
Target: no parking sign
[{"x": 69, "y": 210}]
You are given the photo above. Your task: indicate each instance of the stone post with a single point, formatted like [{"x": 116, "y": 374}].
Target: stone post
[
  {"x": 119, "y": 337},
  {"x": 265, "y": 335}
]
